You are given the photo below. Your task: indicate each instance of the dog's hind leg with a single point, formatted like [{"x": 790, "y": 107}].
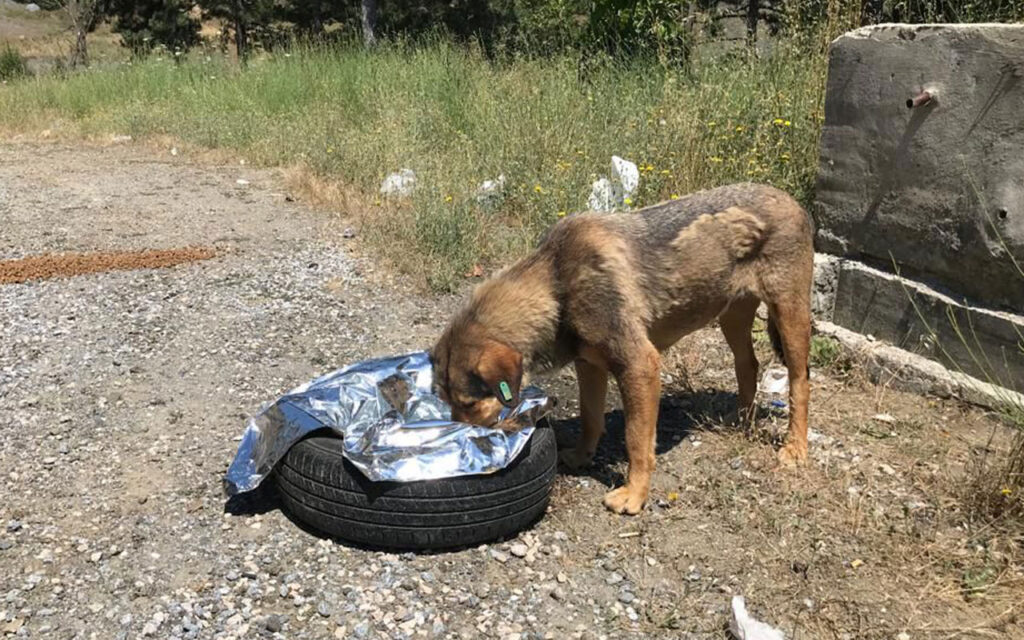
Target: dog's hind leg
[
  {"x": 792, "y": 317},
  {"x": 639, "y": 378},
  {"x": 736, "y": 322},
  {"x": 593, "y": 385}
]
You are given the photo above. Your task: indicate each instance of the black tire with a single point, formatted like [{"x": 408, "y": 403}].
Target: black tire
[{"x": 321, "y": 489}]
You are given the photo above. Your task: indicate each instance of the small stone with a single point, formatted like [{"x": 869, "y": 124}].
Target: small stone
[
  {"x": 323, "y": 609},
  {"x": 651, "y": 561},
  {"x": 903, "y": 635},
  {"x": 519, "y": 550},
  {"x": 561, "y": 577},
  {"x": 631, "y": 614},
  {"x": 558, "y": 593},
  {"x": 13, "y": 526},
  {"x": 242, "y": 181},
  {"x": 887, "y": 470},
  {"x": 5, "y": 545},
  {"x": 362, "y": 629},
  {"x": 613, "y": 578},
  {"x": 148, "y": 629},
  {"x": 499, "y": 556},
  {"x": 283, "y": 591},
  {"x": 232, "y": 576},
  {"x": 626, "y": 597}
]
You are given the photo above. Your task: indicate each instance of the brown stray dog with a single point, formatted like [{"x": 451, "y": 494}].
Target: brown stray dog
[{"x": 609, "y": 292}]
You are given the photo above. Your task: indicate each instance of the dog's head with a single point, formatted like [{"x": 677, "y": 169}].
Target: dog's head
[{"x": 475, "y": 374}]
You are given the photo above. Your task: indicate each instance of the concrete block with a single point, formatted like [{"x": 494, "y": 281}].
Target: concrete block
[
  {"x": 937, "y": 187},
  {"x": 979, "y": 342}
]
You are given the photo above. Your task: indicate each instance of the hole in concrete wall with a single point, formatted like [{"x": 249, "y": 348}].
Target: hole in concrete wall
[{"x": 1002, "y": 213}]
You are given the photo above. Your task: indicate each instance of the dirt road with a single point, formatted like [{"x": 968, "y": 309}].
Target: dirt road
[{"x": 122, "y": 395}]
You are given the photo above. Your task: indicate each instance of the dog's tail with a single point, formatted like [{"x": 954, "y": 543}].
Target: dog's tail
[{"x": 776, "y": 340}]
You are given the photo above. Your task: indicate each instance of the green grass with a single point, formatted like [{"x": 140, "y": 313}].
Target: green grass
[
  {"x": 12, "y": 65},
  {"x": 827, "y": 353},
  {"x": 351, "y": 117}
]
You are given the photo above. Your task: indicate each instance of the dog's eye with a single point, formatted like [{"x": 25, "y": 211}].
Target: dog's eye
[{"x": 478, "y": 388}]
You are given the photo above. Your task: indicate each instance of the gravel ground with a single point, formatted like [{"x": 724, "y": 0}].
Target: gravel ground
[{"x": 123, "y": 395}]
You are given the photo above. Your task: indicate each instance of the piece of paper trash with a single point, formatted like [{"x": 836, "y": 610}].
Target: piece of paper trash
[
  {"x": 745, "y": 627},
  {"x": 775, "y": 381}
]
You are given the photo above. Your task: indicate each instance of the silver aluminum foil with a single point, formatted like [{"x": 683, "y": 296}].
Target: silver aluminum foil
[{"x": 394, "y": 427}]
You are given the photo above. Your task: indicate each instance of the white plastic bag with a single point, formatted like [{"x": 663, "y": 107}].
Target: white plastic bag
[{"x": 400, "y": 184}]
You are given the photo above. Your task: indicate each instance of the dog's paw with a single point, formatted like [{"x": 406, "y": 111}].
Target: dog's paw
[
  {"x": 792, "y": 456},
  {"x": 625, "y": 500},
  {"x": 575, "y": 460}
]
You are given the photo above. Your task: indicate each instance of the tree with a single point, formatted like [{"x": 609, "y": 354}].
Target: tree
[
  {"x": 250, "y": 21},
  {"x": 369, "y": 23},
  {"x": 147, "y": 24},
  {"x": 83, "y": 15}
]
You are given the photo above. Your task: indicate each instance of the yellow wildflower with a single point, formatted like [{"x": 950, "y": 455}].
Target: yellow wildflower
[
  {"x": 674, "y": 197},
  {"x": 330, "y": 149},
  {"x": 561, "y": 214},
  {"x": 666, "y": 172},
  {"x": 715, "y": 159},
  {"x": 739, "y": 127},
  {"x": 1006, "y": 491},
  {"x": 629, "y": 200},
  {"x": 787, "y": 123},
  {"x": 711, "y": 125},
  {"x": 448, "y": 198},
  {"x": 777, "y": 121},
  {"x": 538, "y": 188},
  {"x": 673, "y": 496}
]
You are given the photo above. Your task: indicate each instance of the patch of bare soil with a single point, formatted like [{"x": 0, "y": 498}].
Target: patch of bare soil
[{"x": 63, "y": 265}]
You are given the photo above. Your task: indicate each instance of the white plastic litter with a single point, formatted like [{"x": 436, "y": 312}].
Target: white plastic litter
[
  {"x": 627, "y": 175},
  {"x": 490, "y": 192},
  {"x": 775, "y": 382},
  {"x": 602, "y": 196},
  {"x": 610, "y": 194},
  {"x": 399, "y": 184},
  {"x": 745, "y": 627}
]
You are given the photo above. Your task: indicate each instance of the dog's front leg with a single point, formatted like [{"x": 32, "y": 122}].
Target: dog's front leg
[
  {"x": 640, "y": 385},
  {"x": 593, "y": 384}
]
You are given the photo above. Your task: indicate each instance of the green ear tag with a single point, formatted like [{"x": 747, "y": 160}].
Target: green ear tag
[{"x": 506, "y": 393}]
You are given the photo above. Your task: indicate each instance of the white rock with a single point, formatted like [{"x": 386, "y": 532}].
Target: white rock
[
  {"x": 745, "y": 627},
  {"x": 31, "y": 7},
  {"x": 399, "y": 184}
]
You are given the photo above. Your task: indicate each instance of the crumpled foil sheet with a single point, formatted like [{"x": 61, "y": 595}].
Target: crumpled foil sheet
[{"x": 394, "y": 427}]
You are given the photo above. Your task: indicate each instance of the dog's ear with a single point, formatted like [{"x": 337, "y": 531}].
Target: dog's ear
[{"x": 501, "y": 368}]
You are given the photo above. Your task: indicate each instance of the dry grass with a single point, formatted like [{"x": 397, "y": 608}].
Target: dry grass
[
  {"x": 351, "y": 118},
  {"x": 875, "y": 534}
]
